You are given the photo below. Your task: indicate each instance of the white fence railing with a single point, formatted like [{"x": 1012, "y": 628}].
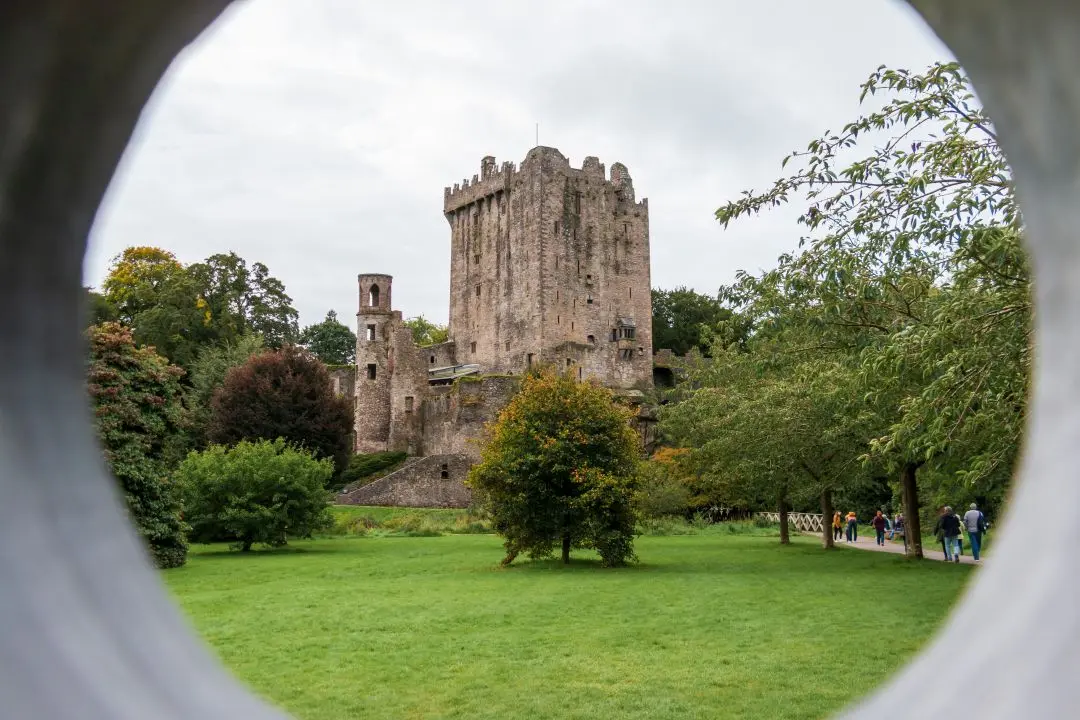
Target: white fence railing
[{"x": 806, "y": 522}]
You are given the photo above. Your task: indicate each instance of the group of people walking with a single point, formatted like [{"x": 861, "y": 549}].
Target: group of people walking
[{"x": 949, "y": 530}]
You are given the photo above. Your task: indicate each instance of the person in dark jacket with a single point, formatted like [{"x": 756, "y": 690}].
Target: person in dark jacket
[
  {"x": 879, "y": 524},
  {"x": 950, "y": 528}
]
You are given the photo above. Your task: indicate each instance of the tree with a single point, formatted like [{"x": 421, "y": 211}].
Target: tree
[
  {"x": 136, "y": 279},
  {"x": 331, "y": 341},
  {"x": 256, "y": 492},
  {"x": 98, "y": 308},
  {"x": 207, "y": 375},
  {"x": 561, "y": 467},
  {"x": 240, "y": 300},
  {"x": 914, "y": 264},
  {"x": 765, "y": 429},
  {"x": 138, "y": 415},
  {"x": 425, "y": 332},
  {"x": 286, "y": 394},
  {"x": 684, "y": 319}
]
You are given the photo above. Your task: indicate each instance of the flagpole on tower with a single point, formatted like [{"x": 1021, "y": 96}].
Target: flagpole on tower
[{"x": 537, "y": 134}]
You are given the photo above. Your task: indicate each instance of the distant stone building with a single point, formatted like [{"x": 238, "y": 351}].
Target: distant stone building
[{"x": 549, "y": 265}]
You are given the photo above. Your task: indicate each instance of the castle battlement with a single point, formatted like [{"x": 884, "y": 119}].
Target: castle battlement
[{"x": 494, "y": 178}]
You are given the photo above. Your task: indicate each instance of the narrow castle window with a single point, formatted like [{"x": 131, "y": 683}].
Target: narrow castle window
[
  {"x": 631, "y": 293},
  {"x": 432, "y": 359},
  {"x": 569, "y": 362},
  {"x": 556, "y": 227},
  {"x": 370, "y": 332},
  {"x": 571, "y": 324},
  {"x": 408, "y": 403},
  {"x": 626, "y": 229},
  {"x": 472, "y": 347},
  {"x": 373, "y": 296},
  {"x": 477, "y": 291},
  {"x": 588, "y": 300},
  {"x": 614, "y": 335},
  {"x": 558, "y": 319},
  {"x": 371, "y": 371},
  {"x": 444, "y": 473},
  {"x": 508, "y": 345},
  {"x": 579, "y": 372},
  {"x": 476, "y": 259},
  {"x": 529, "y": 359}
]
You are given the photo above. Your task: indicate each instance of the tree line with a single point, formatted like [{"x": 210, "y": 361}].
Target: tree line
[{"x": 885, "y": 361}]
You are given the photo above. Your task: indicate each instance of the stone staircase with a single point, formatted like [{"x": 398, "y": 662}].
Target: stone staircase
[{"x": 430, "y": 481}]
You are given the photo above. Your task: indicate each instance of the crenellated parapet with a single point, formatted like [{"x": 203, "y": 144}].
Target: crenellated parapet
[{"x": 494, "y": 178}]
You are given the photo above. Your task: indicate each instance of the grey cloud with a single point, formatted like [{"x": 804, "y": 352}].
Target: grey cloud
[{"x": 317, "y": 137}]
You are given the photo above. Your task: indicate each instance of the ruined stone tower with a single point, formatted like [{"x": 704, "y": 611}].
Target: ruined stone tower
[
  {"x": 550, "y": 264},
  {"x": 373, "y": 371}
]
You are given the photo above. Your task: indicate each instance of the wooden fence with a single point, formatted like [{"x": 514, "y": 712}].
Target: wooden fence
[{"x": 806, "y": 522}]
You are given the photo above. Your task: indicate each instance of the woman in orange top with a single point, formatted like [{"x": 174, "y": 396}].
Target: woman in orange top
[
  {"x": 852, "y": 527},
  {"x": 837, "y": 525}
]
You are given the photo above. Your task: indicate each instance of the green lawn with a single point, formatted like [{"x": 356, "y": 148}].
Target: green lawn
[{"x": 706, "y": 626}]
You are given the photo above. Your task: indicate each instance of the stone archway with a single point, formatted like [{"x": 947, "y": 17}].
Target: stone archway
[{"x": 88, "y": 631}]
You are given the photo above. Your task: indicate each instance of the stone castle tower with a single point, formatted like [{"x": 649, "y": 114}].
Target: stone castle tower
[{"x": 550, "y": 264}]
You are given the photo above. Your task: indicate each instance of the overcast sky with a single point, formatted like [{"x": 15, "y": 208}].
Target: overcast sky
[{"x": 317, "y": 136}]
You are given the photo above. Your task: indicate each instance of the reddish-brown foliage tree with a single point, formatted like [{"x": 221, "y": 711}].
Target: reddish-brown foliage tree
[{"x": 286, "y": 394}]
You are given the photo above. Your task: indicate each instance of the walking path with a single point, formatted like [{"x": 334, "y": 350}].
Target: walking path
[{"x": 867, "y": 542}]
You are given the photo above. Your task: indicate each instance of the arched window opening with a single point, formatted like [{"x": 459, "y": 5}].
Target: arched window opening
[{"x": 373, "y": 296}]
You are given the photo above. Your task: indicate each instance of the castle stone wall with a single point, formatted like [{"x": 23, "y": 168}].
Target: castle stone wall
[
  {"x": 455, "y": 415},
  {"x": 434, "y": 481}
]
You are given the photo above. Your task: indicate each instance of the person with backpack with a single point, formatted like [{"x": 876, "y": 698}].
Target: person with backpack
[
  {"x": 879, "y": 522},
  {"x": 975, "y": 524}
]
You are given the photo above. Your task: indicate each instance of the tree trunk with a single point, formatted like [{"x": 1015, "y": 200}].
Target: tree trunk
[
  {"x": 566, "y": 548},
  {"x": 911, "y": 510},
  {"x": 785, "y": 539},
  {"x": 826, "y": 516}
]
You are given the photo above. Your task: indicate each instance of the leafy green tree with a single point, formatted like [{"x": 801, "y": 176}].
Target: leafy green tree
[
  {"x": 207, "y": 375},
  {"x": 764, "y": 431},
  {"x": 240, "y": 300},
  {"x": 331, "y": 341},
  {"x": 180, "y": 310},
  {"x": 684, "y": 319},
  {"x": 136, "y": 278},
  {"x": 255, "y": 492},
  {"x": 98, "y": 308},
  {"x": 425, "y": 332},
  {"x": 284, "y": 393},
  {"x": 139, "y": 416},
  {"x": 912, "y": 262},
  {"x": 561, "y": 467}
]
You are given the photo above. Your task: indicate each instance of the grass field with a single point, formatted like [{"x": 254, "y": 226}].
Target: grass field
[{"x": 706, "y": 626}]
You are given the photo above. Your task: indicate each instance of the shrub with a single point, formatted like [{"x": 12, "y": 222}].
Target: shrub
[
  {"x": 138, "y": 417},
  {"x": 256, "y": 492},
  {"x": 287, "y": 394},
  {"x": 663, "y": 489}
]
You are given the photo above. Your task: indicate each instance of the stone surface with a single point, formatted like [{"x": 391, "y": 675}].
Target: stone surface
[{"x": 432, "y": 481}]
